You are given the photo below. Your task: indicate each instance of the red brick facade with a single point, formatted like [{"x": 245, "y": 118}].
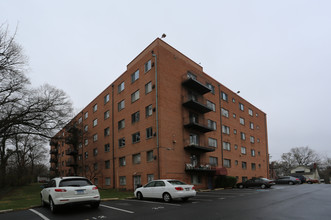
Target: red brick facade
[{"x": 174, "y": 128}]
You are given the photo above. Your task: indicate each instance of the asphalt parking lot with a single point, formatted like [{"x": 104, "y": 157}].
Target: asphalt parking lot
[{"x": 229, "y": 203}]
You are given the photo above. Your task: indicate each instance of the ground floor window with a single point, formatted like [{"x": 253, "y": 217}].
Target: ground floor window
[
  {"x": 195, "y": 179},
  {"x": 107, "y": 181},
  {"x": 122, "y": 180},
  {"x": 150, "y": 177}
]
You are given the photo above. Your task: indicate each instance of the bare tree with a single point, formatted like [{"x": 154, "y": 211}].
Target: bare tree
[{"x": 23, "y": 109}]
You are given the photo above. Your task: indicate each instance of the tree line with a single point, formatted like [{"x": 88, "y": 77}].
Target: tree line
[{"x": 29, "y": 116}]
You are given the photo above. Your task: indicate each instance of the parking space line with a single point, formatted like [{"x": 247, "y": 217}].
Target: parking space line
[
  {"x": 38, "y": 213},
  {"x": 122, "y": 210},
  {"x": 156, "y": 202}
]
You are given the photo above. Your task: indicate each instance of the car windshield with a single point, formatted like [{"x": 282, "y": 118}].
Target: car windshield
[
  {"x": 75, "y": 182},
  {"x": 176, "y": 182}
]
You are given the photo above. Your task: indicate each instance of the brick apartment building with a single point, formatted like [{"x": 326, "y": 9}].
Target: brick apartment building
[{"x": 163, "y": 118}]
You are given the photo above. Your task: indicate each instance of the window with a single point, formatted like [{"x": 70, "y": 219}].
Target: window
[
  {"x": 251, "y": 125},
  {"x": 252, "y": 139},
  {"x": 86, "y": 128},
  {"x": 150, "y": 177},
  {"x": 122, "y": 161},
  {"x": 135, "y": 96},
  {"x": 80, "y": 120},
  {"x": 86, "y": 115},
  {"x": 258, "y": 140},
  {"x": 122, "y": 180},
  {"x": 136, "y": 159},
  {"x": 234, "y": 115},
  {"x": 95, "y": 122},
  {"x": 213, "y": 161},
  {"x": 86, "y": 142},
  {"x": 106, "y": 115},
  {"x": 233, "y": 100},
  {"x": 224, "y": 96},
  {"x": 106, "y": 99},
  {"x": 135, "y": 117},
  {"x": 227, "y": 163},
  {"x": 236, "y": 162},
  {"x": 148, "y": 66},
  {"x": 149, "y": 155},
  {"x": 96, "y": 181},
  {"x": 120, "y": 87},
  {"x": 242, "y": 121},
  {"x": 194, "y": 139},
  {"x": 80, "y": 145},
  {"x": 107, "y": 131},
  {"x": 95, "y": 152},
  {"x": 121, "y": 124},
  {"x": 225, "y": 129},
  {"x": 107, "y": 147},
  {"x": 136, "y": 137},
  {"x": 244, "y": 165},
  {"x": 211, "y": 124},
  {"x": 243, "y": 150},
  {"x": 148, "y": 87},
  {"x": 234, "y": 131},
  {"x": 211, "y": 87},
  {"x": 149, "y": 111},
  {"x": 149, "y": 132},
  {"x": 121, "y": 142},
  {"x": 257, "y": 115},
  {"x": 241, "y": 106},
  {"x": 195, "y": 179},
  {"x": 253, "y": 166},
  {"x": 250, "y": 112},
  {"x": 225, "y": 112},
  {"x": 107, "y": 181},
  {"x": 226, "y": 146},
  {"x": 235, "y": 147},
  {"x": 95, "y": 137},
  {"x": 135, "y": 76},
  {"x": 121, "y": 105},
  {"x": 211, "y": 105},
  {"x": 242, "y": 136},
  {"x": 86, "y": 155},
  {"x": 95, "y": 107},
  {"x": 212, "y": 142}
]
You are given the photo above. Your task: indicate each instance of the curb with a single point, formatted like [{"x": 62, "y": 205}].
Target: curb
[{"x": 6, "y": 210}]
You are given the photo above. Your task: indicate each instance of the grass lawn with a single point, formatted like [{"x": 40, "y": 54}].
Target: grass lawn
[{"x": 28, "y": 196}]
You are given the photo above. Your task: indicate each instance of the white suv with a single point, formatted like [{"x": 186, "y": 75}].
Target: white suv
[{"x": 62, "y": 191}]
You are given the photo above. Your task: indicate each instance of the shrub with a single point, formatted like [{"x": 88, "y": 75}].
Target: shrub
[{"x": 225, "y": 181}]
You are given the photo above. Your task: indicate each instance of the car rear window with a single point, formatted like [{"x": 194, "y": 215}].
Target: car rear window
[
  {"x": 75, "y": 182},
  {"x": 176, "y": 182}
]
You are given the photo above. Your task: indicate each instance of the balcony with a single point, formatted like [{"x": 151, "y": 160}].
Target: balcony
[
  {"x": 70, "y": 163},
  {"x": 53, "y": 151},
  {"x": 201, "y": 168},
  {"x": 195, "y": 85},
  {"x": 197, "y": 125},
  {"x": 198, "y": 146},
  {"x": 71, "y": 151},
  {"x": 197, "y": 105}
]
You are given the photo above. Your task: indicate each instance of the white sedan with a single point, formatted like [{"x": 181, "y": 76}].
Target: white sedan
[
  {"x": 62, "y": 191},
  {"x": 166, "y": 189}
]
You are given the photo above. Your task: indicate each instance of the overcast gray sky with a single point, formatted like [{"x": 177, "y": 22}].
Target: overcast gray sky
[{"x": 277, "y": 53}]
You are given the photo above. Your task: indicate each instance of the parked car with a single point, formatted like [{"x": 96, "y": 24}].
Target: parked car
[
  {"x": 256, "y": 182},
  {"x": 301, "y": 178},
  {"x": 62, "y": 191},
  {"x": 288, "y": 180},
  {"x": 166, "y": 189},
  {"x": 311, "y": 181}
]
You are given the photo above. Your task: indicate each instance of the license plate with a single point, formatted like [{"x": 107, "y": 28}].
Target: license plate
[
  {"x": 187, "y": 189},
  {"x": 80, "y": 192}
]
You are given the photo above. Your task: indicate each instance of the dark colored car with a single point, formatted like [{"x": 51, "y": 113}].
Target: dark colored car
[
  {"x": 256, "y": 182},
  {"x": 288, "y": 180},
  {"x": 301, "y": 178}
]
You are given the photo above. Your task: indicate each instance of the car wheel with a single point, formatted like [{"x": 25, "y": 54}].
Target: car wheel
[
  {"x": 139, "y": 196},
  {"x": 166, "y": 197},
  {"x": 52, "y": 206},
  {"x": 42, "y": 201},
  {"x": 95, "y": 205},
  {"x": 263, "y": 186},
  {"x": 184, "y": 199},
  {"x": 290, "y": 183},
  {"x": 241, "y": 186}
]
